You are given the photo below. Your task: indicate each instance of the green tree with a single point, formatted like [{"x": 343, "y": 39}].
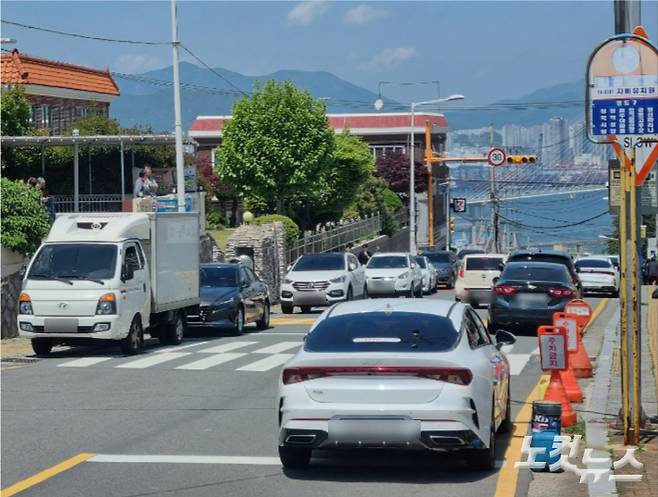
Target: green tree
[
  {"x": 24, "y": 218},
  {"x": 374, "y": 196},
  {"x": 277, "y": 146},
  {"x": 15, "y": 112}
]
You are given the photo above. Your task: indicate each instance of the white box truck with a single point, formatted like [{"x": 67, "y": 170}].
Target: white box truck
[{"x": 112, "y": 276}]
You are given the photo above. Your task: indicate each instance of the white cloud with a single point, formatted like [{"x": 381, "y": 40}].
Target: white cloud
[
  {"x": 136, "y": 63},
  {"x": 304, "y": 13},
  {"x": 392, "y": 56},
  {"x": 363, "y": 14}
]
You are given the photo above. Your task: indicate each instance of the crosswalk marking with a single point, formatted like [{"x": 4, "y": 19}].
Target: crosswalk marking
[
  {"x": 152, "y": 360},
  {"x": 83, "y": 362},
  {"x": 277, "y": 347},
  {"x": 267, "y": 363},
  {"x": 227, "y": 347},
  {"x": 213, "y": 360},
  {"x": 176, "y": 348}
]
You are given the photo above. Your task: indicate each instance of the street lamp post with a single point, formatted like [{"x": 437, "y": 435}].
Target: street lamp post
[{"x": 412, "y": 173}]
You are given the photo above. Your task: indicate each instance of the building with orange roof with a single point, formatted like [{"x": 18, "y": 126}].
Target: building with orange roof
[{"x": 58, "y": 92}]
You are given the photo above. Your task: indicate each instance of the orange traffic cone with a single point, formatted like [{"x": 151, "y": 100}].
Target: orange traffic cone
[
  {"x": 574, "y": 394},
  {"x": 556, "y": 393},
  {"x": 579, "y": 360}
]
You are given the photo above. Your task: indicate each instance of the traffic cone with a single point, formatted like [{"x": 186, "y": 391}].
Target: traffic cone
[
  {"x": 579, "y": 360},
  {"x": 574, "y": 394},
  {"x": 556, "y": 393}
]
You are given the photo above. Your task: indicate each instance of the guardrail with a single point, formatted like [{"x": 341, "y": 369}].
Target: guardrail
[
  {"x": 89, "y": 203},
  {"x": 343, "y": 235}
]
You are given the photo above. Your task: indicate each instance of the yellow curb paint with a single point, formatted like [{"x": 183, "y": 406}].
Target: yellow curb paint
[
  {"x": 508, "y": 475},
  {"x": 595, "y": 313},
  {"x": 45, "y": 474},
  {"x": 283, "y": 321}
]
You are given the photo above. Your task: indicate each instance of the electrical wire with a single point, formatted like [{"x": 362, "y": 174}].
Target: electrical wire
[
  {"x": 219, "y": 75},
  {"x": 568, "y": 225}
]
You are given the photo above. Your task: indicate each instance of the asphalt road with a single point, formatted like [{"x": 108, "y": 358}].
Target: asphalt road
[{"x": 213, "y": 415}]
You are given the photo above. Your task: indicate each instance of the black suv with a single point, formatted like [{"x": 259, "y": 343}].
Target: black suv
[{"x": 529, "y": 255}]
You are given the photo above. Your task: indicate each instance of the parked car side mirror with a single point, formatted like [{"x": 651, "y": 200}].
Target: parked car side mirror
[
  {"x": 244, "y": 283},
  {"x": 352, "y": 266},
  {"x": 22, "y": 270},
  {"x": 495, "y": 280},
  {"x": 501, "y": 266},
  {"x": 127, "y": 272},
  {"x": 577, "y": 269},
  {"x": 504, "y": 337}
]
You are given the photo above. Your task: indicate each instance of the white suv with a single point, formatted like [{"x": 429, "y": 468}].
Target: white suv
[
  {"x": 476, "y": 275},
  {"x": 394, "y": 274},
  {"x": 318, "y": 280}
]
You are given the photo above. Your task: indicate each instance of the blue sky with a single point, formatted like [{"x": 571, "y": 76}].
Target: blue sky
[{"x": 486, "y": 50}]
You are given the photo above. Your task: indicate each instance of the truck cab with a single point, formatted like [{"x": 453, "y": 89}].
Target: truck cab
[{"x": 111, "y": 277}]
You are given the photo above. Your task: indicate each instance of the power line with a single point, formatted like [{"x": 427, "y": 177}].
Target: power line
[
  {"x": 569, "y": 225},
  {"x": 86, "y": 37},
  {"x": 213, "y": 70}
]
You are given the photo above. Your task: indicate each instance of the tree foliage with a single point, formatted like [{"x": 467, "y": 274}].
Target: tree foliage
[
  {"x": 289, "y": 226},
  {"x": 393, "y": 168},
  {"x": 24, "y": 218},
  {"x": 374, "y": 196},
  {"x": 14, "y": 112},
  {"x": 277, "y": 145}
]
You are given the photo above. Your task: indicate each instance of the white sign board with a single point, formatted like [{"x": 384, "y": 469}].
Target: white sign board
[
  {"x": 552, "y": 352},
  {"x": 572, "y": 332}
]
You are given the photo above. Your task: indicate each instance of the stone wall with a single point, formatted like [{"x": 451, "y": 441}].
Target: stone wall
[
  {"x": 11, "y": 288},
  {"x": 209, "y": 251},
  {"x": 266, "y": 246},
  {"x": 399, "y": 242}
]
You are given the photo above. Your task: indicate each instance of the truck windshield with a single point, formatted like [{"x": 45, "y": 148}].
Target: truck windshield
[{"x": 74, "y": 261}]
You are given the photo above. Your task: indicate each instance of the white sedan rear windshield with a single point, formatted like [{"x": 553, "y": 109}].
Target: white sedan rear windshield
[
  {"x": 483, "y": 263},
  {"x": 383, "y": 332}
]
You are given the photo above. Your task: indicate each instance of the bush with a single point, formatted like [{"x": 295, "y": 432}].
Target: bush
[
  {"x": 289, "y": 226},
  {"x": 24, "y": 218},
  {"x": 215, "y": 218},
  {"x": 391, "y": 200}
]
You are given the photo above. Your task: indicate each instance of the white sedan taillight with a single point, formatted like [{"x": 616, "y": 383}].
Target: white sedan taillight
[{"x": 457, "y": 376}]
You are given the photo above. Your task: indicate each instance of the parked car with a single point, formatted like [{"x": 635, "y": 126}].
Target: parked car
[
  {"x": 393, "y": 374},
  {"x": 317, "y": 280},
  {"x": 428, "y": 274},
  {"x": 445, "y": 263},
  {"x": 468, "y": 251},
  {"x": 598, "y": 274},
  {"x": 394, "y": 274},
  {"x": 475, "y": 278},
  {"x": 528, "y": 293},
  {"x": 231, "y": 296},
  {"x": 548, "y": 256}
]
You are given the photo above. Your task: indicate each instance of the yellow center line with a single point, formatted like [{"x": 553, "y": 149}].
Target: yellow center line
[
  {"x": 508, "y": 475},
  {"x": 283, "y": 321},
  {"x": 45, "y": 474}
]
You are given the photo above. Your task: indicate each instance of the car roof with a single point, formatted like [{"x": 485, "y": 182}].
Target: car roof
[
  {"x": 437, "y": 252},
  {"x": 380, "y": 254},
  {"x": 485, "y": 256},
  {"x": 594, "y": 258},
  {"x": 318, "y": 254},
  {"x": 523, "y": 252},
  {"x": 209, "y": 265},
  {"x": 535, "y": 264},
  {"x": 443, "y": 308}
]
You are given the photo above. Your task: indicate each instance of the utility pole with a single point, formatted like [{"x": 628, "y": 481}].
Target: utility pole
[
  {"x": 180, "y": 171},
  {"x": 494, "y": 201}
]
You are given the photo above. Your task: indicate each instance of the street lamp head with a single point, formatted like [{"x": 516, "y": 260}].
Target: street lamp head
[
  {"x": 379, "y": 103},
  {"x": 456, "y": 96}
]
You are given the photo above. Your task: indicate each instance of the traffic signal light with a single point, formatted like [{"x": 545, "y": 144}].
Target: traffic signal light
[
  {"x": 453, "y": 225},
  {"x": 521, "y": 159}
]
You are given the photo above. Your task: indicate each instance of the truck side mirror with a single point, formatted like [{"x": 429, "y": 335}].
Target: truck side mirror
[
  {"x": 127, "y": 272},
  {"x": 22, "y": 270}
]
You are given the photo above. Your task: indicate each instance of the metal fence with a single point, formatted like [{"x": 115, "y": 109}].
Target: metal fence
[
  {"x": 343, "y": 235},
  {"x": 89, "y": 203}
]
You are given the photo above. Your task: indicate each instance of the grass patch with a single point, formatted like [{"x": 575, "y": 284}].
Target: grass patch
[
  {"x": 221, "y": 236},
  {"x": 577, "y": 429}
]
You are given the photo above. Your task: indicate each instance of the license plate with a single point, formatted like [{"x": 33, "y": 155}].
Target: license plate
[
  {"x": 60, "y": 325},
  {"x": 374, "y": 430},
  {"x": 531, "y": 300}
]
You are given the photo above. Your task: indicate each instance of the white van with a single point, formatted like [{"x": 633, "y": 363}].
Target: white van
[
  {"x": 476, "y": 275},
  {"x": 111, "y": 276}
]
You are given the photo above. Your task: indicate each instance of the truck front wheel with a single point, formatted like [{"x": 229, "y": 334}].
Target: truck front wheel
[
  {"x": 42, "y": 346},
  {"x": 134, "y": 342},
  {"x": 174, "y": 332}
]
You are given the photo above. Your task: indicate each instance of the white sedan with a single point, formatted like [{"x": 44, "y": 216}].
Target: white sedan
[
  {"x": 598, "y": 274},
  {"x": 394, "y": 274},
  {"x": 396, "y": 374}
]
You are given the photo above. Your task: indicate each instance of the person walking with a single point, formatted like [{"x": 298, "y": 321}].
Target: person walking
[
  {"x": 364, "y": 255},
  {"x": 150, "y": 186},
  {"x": 652, "y": 271},
  {"x": 47, "y": 200}
]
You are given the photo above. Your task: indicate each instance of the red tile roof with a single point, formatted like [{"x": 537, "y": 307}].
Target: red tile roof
[
  {"x": 351, "y": 121},
  {"x": 17, "y": 68}
]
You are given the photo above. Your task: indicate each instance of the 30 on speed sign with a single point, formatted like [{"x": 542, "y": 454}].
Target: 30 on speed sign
[{"x": 497, "y": 157}]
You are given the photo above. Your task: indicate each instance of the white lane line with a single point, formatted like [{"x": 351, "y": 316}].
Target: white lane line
[
  {"x": 83, "y": 362},
  {"x": 174, "y": 348},
  {"x": 211, "y": 361},
  {"x": 517, "y": 362},
  {"x": 281, "y": 333},
  {"x": 176, "y": 459},
  {"x": 226, "y": 347},
  {"x": 535, "y": 352},
  {"x": 152, "y": 360},
  {"x": 267, "y": 363},
  {"x": 277, "y": 347}
]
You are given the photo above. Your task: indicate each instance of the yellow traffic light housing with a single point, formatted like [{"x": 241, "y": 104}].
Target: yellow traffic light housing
[
  {"x": 453, "y": 225},
  {"x": 521, "y": 159}
]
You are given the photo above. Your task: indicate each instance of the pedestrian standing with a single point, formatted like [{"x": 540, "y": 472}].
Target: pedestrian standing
[
  {"x": 150, "y": 187},
  {"x": 365, "y": 255},
  {"x": 652, "y": 271},
  {"x": 47, "y": 200},
  {"x": 138, "y": 188}
]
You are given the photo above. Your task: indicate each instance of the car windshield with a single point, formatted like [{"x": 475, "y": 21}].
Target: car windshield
[
  {"x": 388, "y": 262},
  {"x": 520, "y": 272},
  {"x": 324, "y": 262},
  {"x": 383, "y": 332},
  {"x": 593, "y": 263},
  {"x": 483, "y": 263},
  {"x": 75, "y": 261},
  {"x": 438, "y": 258},
  {"x": 219, "y": 276},
  {"x": 421, "y": 262}
]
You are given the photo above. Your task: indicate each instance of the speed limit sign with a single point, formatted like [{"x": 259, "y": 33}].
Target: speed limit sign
[{"x": 497, "y": 156}]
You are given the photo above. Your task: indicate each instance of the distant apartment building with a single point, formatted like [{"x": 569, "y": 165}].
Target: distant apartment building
[
  {"x": 577, "y": 139},
  {"x": 58, "y": 92}
]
